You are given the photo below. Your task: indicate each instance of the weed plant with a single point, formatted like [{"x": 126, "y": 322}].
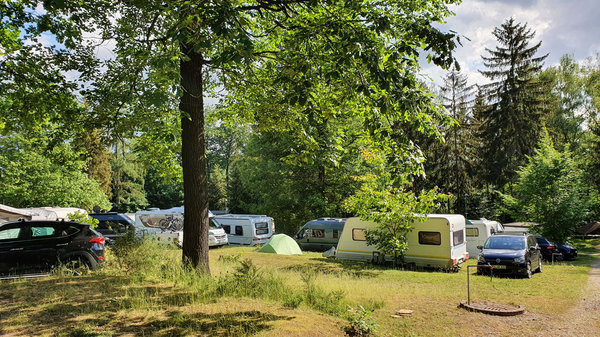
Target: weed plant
[{"x": 361, "y": 322}]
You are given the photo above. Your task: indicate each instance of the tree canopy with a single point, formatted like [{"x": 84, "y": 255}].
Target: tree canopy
[
  {"x": 288, "y": 66},
  {"x": 550, "y": 191}
]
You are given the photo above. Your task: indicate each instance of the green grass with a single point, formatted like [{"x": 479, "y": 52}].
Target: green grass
[
  {"x": 588, "y": 245},
  {"x": 145, "y": 290}
]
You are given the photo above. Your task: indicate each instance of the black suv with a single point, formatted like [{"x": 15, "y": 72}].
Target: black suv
[
  {"x": 34, "y": 246},
  {"x": 510, "y": 254},
  {"x": 112, "y": 225}
]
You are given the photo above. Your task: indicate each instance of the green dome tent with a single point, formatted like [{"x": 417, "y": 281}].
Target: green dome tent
[{"x": 281, "y": 244}]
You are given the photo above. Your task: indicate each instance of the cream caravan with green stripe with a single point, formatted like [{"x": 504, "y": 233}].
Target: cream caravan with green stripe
[{"x": 438, "y": 242}]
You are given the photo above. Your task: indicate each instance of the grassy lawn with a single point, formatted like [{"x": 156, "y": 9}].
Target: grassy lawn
[{"x": 146, "y": 292}]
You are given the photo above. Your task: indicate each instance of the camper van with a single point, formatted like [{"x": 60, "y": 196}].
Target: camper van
[
  {"x": 438, "y": 242},
  {"x": 320, "y": 234},
  {"x": 477, "y": 232},
  {"x": 167, "y": 225},
  {"x": 246, "y": 229}
]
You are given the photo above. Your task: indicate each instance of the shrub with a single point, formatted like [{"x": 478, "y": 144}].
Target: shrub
[{"x": 360, "y": 322}]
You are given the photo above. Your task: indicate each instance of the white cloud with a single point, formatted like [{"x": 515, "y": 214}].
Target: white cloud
[{"x": 564, "y": 27}]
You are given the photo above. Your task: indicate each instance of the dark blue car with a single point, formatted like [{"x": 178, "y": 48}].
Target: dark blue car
[
  {"x": 568, "y": 252},
  {"x": 510, "y": 254}
]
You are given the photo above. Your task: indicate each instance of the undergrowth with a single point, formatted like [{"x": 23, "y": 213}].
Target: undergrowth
[{"x": 148, "y": 260}]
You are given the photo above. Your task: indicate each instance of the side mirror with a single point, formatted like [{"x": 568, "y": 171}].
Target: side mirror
[{"x": 480, "y": 247}]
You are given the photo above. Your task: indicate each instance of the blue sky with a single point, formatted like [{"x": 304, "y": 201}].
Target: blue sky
[{"x": 563, "y": 26}]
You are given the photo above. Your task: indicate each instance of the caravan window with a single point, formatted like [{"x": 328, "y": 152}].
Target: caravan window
[
  {"x": 430, "y": 238},
  {"x": 239, "y": 230},
  {"x": 358, "y": 234},
  {"x": 459, "y": 237},
  {"x": 335, "y": 234},
  {"x": 227, "y": 229},
  {"x": 472, "y": 232},
  {"x": 262, "y": 228}
]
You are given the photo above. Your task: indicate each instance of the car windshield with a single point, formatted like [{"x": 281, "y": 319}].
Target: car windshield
[
  {"x": 505, "y": 242},
  {"x": 214, "y": 224}
]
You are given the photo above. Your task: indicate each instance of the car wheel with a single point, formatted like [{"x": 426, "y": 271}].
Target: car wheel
[
  {"x": 539, "y": 270},
  {"x": 528, "y": 270},
  {"x": 78, "y": 266}
]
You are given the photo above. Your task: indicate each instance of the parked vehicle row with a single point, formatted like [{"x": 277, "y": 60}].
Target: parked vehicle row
[
  {"x": 167, "y": 225},
  {"x": 439, "y": 241}
]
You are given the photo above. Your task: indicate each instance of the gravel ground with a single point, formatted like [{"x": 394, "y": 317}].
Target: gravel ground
[{"x": 584, "y": 318}]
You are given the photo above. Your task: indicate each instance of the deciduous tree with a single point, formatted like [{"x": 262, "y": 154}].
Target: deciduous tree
[
  {"x": 550, "y": 191},
  {"x": 307, "y": 56}
]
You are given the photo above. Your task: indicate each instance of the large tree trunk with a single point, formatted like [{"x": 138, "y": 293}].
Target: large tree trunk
[{"x": 196, "y": 221}]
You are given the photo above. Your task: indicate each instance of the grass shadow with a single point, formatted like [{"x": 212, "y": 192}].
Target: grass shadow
[
  {"x": 93, "y": 306},
  {"x": 336, "y": 268},
  {"x": 176, "y": 323},
  {"x": 365, "y": 269}
]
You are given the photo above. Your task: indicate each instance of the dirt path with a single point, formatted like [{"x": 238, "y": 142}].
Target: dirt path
[{"x": 584, "y": 318}]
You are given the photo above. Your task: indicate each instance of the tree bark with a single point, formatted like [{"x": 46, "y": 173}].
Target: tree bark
[{"x": 196, "y": 221}]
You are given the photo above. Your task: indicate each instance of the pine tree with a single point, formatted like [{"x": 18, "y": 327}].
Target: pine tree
[
  {"x": 512, "y": 120},
  {"x": 98, "y": 161},
  {"x": 456, "y": 97},
  {"x": 217, "y": 189},
  {"x": 128, "y": 180}
]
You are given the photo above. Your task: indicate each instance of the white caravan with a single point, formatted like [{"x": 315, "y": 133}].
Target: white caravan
[
  {"x": 477, "y": 232},
  {"x": 167, "y": 225},
  {"x": 438, "y": 242},
  {"x": 247, "y": 229}
]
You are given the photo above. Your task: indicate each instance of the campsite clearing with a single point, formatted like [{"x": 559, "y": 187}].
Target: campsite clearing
[{"x": 128, "y": 301}]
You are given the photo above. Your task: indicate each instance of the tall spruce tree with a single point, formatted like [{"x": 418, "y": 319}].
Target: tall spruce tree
[
  {"x": 449, "y": 164},
  {"x": 456, "y": 97},
  {"x": 511, "y": 122}
]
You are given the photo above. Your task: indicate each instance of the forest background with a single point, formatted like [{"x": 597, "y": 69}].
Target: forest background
[{"x": 525, "y": 147}]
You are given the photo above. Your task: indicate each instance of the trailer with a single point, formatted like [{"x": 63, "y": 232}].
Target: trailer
[
  {"x": 247, "y": 229},
  {"x": 477, "y": 232},
  {"x": 437, "y": 242}
]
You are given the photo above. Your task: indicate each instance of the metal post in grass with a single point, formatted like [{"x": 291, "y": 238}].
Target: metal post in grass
[
  {"x": 553, "y": 256},
  {"x": 486, "y": 307},
  {"x": 469, "y": 282}
]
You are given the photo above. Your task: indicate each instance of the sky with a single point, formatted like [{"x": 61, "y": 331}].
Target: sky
[{"x": 564, "y": 27}]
